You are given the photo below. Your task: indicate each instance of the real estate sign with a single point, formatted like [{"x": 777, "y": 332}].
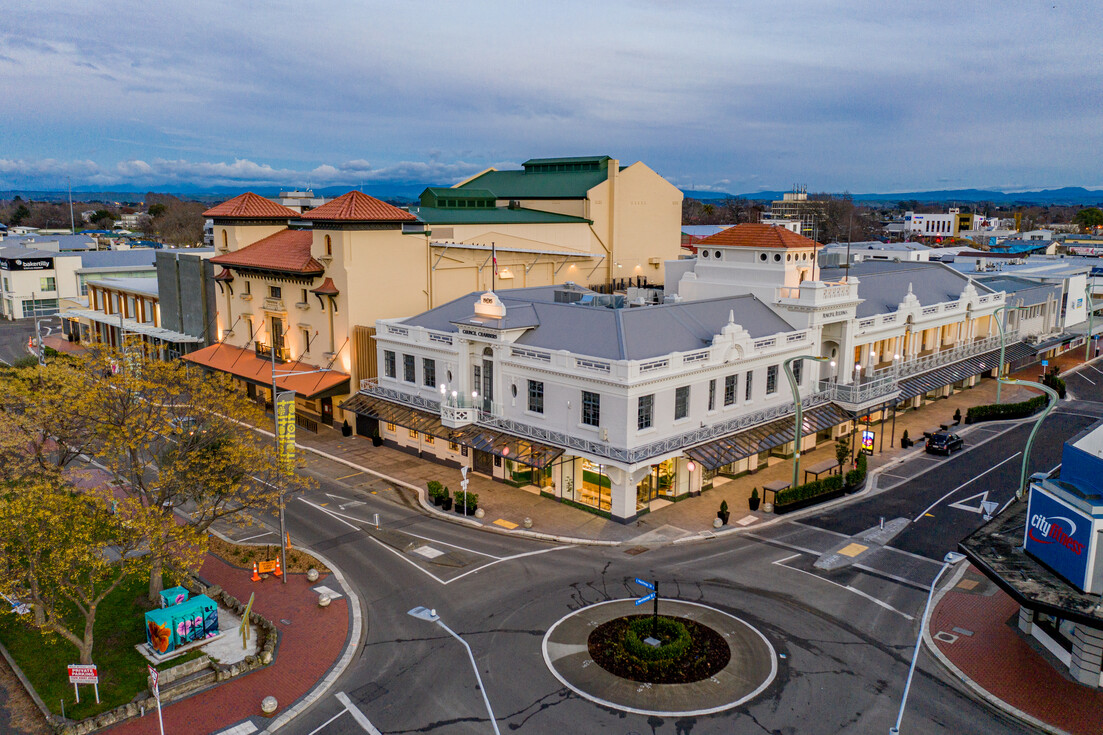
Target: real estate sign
[{"x": 1059, "y": 536}]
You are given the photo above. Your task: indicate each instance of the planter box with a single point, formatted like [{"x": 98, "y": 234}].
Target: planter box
[
  {"x": 851, "y": 489},
  {"x": 470, "y": 509},
  {"x": 446, "y": 504},
  {"x": 808, "y": 502}
]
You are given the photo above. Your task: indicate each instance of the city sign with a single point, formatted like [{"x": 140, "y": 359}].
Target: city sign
[
  {"x": 646, "y": 598},
  {"x": 642, "y": 583},
  {"x": 1058, "y": 535}
]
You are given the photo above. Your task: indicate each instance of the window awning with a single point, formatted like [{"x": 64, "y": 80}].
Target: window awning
[
  {"x": 477, "y": 437},
  {"x": 246, "y": 365},
  {"x": 130, "y": 325},
  {"x": 943, "y": 376},
  {"x": 734, "y": 447}
]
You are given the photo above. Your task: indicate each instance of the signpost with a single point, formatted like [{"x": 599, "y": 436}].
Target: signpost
[
  {"x": 653, "y": 595},
  {"x": 82, "y": 674},
  {"x": 463, "y": 485},
  {"x": 157, "y": 694}
]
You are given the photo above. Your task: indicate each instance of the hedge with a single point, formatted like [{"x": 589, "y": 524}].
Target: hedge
[
  {"x": 669, "y": 629},
  {"x": 996, "y": 411},
  {"x": 827, "y": 484},
  {"x": 857, "y": 476}
]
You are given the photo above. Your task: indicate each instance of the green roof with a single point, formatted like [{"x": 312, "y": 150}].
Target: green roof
[
  {"x": 447, "y": 198},
  {"x": 530, "y": 185},
  {"x": 496, "y": 216},
  {"x": 592, "y": 160}
]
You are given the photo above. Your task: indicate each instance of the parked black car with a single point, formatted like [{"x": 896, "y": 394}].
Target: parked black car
[{"x": 943, "y": 442}]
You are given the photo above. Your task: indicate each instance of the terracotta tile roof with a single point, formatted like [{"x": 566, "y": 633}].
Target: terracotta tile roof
[
  {"x": 286, "y": 250},
  {"x": 357, "y": 206},
  {"x": 225, "y": 275},
  {"x": 246, "y": 365},
  {"x": 251, "y": 206},
  {"x": 326, "y": 289},
  {"x": 758, "y": 236}
]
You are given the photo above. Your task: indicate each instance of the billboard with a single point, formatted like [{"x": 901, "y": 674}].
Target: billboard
[
  {"x": 867, "y": 441},
  {"x": 26, "y": 264},
  {"x": 285, "y": 429},
  {"x": 1059, "y": 536}
]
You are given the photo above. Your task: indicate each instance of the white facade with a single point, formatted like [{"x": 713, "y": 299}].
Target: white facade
[{"x": 33, "y": 281}]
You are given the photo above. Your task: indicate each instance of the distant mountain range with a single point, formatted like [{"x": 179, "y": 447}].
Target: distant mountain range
[
  {"x": 406, "y": 192},
  {"x": 1064, "y": 195}
]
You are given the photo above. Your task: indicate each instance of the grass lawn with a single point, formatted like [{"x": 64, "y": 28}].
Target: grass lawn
[{"x": 120, "y": 625}]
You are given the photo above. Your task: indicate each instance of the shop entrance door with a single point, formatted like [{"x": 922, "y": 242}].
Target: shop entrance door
[{"x": 484, "y": 462}]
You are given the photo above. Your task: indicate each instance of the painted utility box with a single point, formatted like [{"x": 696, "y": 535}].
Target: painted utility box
[
  {"x": 172, "y": 627},
  {"x": 174, "y": 596}
]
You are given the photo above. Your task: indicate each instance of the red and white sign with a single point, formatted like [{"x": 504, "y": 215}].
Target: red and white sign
[
  {"x": 153, "y": 680},
  {"x": 80, "y": 674}
]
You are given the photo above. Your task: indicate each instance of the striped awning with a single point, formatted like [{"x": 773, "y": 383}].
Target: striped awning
[
  {"x": 734, "y": 447},
  {"x": 948, "y": 374},
  {"x": 477, "y": 437}
]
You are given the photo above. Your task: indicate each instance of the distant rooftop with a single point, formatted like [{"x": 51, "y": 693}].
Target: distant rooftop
[
  {"x": 883, "y": 284},
  {"x": 146, "y": 286}
]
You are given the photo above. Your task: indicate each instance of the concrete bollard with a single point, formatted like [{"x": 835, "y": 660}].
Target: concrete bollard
[
  {"x": 479, "y": 512},
  {"x": 528, "y": 522},
  {"x": 268, "y": 706},
  {"x": 716, "y": 523},
  {"x": 312, "y": 575},
  {"x": 324, "y": 600}
]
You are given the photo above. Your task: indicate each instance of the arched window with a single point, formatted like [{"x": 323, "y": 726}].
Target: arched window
[
  {"x": 224, "y": 240},
  {"x": 329, "y": 246}
]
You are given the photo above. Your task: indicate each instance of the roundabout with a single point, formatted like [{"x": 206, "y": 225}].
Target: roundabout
[{"x": 740, "y": 673}]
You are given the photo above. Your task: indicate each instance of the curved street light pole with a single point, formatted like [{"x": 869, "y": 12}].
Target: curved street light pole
[
  {"x": 798, "y": 419},
  {"x": 1037, "y": 425},
  {"x": 999, "y": 368},
  {"x": 1091, "y": 315}
]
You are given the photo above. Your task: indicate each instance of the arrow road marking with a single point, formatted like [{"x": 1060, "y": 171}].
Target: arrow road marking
[
  {"x": 967, "y": 482},
  {"x": 978, "y": 508},
  {"x": 357, "y": 715}
]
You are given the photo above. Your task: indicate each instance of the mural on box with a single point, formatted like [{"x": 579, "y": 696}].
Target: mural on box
[{"x": 172, "y": 627}]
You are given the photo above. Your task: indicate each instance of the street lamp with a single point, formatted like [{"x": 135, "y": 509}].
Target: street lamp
[
  {"x": 1037, "y": 425},
  {"x": 1091, "y": 316},
  {"x": 999, "y": 368},
  {"x": 423, "y": 613},
  {"x": 798, "y": 421},
  {"x": 951, "y": 558}
]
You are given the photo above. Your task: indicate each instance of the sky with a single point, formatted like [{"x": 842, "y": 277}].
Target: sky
[{"x": 728, "y": 96}]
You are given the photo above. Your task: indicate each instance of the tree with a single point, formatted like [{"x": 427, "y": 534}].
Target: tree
[
  {"x": 103, "y": 219},
  {"x": 54, "y": 408},
  {"x": 842, "y": 448},
  {"x": 156, "y": 210},
  {"x": 65, "y": 550},
  {"x": 1089, "y": 218},
  {"x": 21, "y": 215}
]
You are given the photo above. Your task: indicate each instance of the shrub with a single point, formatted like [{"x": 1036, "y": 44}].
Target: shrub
[
  {"x": 996, "y": 411},
  {"x": 1052, "y": 381},
  {"x": 828, "y": 484},
  {"x": 724, "y": 506},
  {"x": 754, "y": 493},
  {"x": 461, "y": 499},
  {"x": 436, "y": 490},
  {"x": 675, "y": 637}
]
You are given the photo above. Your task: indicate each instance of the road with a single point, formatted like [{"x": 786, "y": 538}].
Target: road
[{"x": 14, "y": 336}]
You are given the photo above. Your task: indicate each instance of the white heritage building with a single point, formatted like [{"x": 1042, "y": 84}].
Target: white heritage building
[{"x": 618, "y": 402}]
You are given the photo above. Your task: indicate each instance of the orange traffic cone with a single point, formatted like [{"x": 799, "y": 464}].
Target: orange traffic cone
[
  {"x": 279, "y": 571},
  {"x": 256, "y": 574}
]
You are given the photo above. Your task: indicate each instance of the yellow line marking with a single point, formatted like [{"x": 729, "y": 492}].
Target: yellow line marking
[
  {"x": 928, "y": 515},
  {"x": 324, "y": 504},
  {"x": 373, "y": 492},
  {"x": 852, "y": 550},
  {"x": 505, "y": 524},
  {"x": 354, "y": 474}
]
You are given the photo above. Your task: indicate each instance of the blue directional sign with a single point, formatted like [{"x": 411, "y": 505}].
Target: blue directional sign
[
  {"x": 1045, "y": 363},
  {"x": 642, "y": 583},
  {"x": 646, "y": 598}
]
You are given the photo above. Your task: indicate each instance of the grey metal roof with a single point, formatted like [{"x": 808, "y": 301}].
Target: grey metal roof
[
  {"x": 635, "y": 333},
  {"x": 64, "y": 242},
  {"x": 21, "y": 252},
  {"x": 884, "y": 284},
  {"x": 1022, "y": 291},
  {"x": 143, "y": 285},
  {"x": 117, "y": 258}
]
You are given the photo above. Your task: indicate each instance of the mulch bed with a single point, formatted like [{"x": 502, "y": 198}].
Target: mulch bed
[{"x": 707, "y": 654}]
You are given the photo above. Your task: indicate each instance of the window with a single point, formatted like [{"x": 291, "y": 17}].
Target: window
[
  {"x": 453, "y": 447},
  {"x": 225, "y": 244},
  {"x": 536, "y": 396},
  {"x": 591, "y": 408},
  {"x": 408, "y": 368},
  {"x": 413, "y": 433},
  {"x": 428, "y": 372},
  {"x": 248, "y": 287},
  {"x": 730, "y": 384},
  {"x": 48, "y": 283},
  {"x": 275, "y": 292},
  {"x": 681, "y": 402},
  {"x": 798, "y": 370},
  {"x": 329, "y": 246},
  {"x": 306, "y": 339},
  {"x": 302, "y": 296},
  {"x": 747, "y": 383},
  {"x": 7, "y": 285},
  {"x": 388, "y": 364},
  {"x": 645, "y": 412},
  {"x": 712, "y": 394},
  {"x": 392, "y": 428},
  {"x": 771, "y": 379},
  {"x": 429, "y": 438},
  {"x": 131, "y": 307}
]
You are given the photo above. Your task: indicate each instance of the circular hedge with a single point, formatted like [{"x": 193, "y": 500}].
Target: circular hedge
[{"x": 687, "y": 650}]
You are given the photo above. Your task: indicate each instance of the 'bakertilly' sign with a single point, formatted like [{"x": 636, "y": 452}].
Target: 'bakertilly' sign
[
  {"x": 26, "y": 264},
  {"x": 1058, "y": 535}
]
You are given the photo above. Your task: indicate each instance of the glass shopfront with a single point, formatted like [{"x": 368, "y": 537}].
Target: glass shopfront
[{"x": 587, "y": 483}]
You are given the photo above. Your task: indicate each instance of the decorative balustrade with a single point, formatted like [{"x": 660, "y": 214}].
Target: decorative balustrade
[{"x": 945, "y": 357}]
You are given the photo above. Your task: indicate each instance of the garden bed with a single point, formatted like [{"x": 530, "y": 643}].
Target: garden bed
[
  {"x": 689, "y": 651},
  {"x": 243, "y": 555}
]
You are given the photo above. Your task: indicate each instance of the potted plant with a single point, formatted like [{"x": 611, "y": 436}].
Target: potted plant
[
  {"x": 957, "y": 417},
  {"x": 445, "y": 499},
  {"x": 346, "y": 430},
  {"x": 436, "y": 492},
  {"x": 753, "y": 501},
  {"x": 723, "y": 513},
  {"x": 376, "y": 440},
  {"x": 466, "y": 503},
  {"x": 905, "y": 442}
]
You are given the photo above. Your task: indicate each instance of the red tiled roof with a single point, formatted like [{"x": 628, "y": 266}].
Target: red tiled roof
[
  {"x": 225, "y": 275},
  {"x": 287, "y": 250},
  {"x": 250, "y": 206},
  {"x": 245, "y": 364},
  {"x": 758, "y": 236},
  {"x": 357, "y": 206},
  {"x": 326, "y": 289}
]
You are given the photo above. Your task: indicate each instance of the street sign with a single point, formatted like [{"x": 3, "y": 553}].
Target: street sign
[
  {"x": 646, "y": 598},
  {"x": 988, "y": 506},
  {"x": 79, "y": 674},
  {"x": 642, "y": 583},
  {"x": 153, "y": 680},
  {"x": 157, "y": 689},
  {"x": 1045, "y": 363}
]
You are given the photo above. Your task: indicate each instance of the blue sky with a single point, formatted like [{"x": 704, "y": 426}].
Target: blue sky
[{"x": 732, "y": 96}]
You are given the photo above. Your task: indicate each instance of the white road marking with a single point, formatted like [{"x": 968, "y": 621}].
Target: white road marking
[
  {"x": 409, "y": 561},
  {"x": 509, "y": 558},
  {"x": 259, "y": 535},
  {"x": 357, "y": 715},
  {"x": 1009, "y": 502},
  {"x": 1085, "y": 377},
  {"x": 967, "y": 482},
  {"x": 335, "y": 516},
  {"x": 978, "y": 509},
  {"x": 895, "y": 577},
  {"x": 848, "y": 588},
  {"x": 428, "y": 552},
  {"x": 782, "y": 561},
  {"x": 333, "y": 594},
  {"x": 245, "y": 728},
  {"x": 1093, "y": 367},
  {"x": 325, "y": 724}
]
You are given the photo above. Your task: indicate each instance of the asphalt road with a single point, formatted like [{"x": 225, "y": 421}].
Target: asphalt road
[{"x": 14, "y": 335}]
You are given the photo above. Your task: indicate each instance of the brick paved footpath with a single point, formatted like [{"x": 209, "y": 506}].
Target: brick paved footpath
[
  {"x": 1000, "y": 660},
  {"x": 309, "y": 645}
]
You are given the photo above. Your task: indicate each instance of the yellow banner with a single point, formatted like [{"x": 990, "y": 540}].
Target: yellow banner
[{"x": 285, "y": 429}]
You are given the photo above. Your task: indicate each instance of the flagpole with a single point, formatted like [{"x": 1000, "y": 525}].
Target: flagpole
[{"x": 494, "y": 270}]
